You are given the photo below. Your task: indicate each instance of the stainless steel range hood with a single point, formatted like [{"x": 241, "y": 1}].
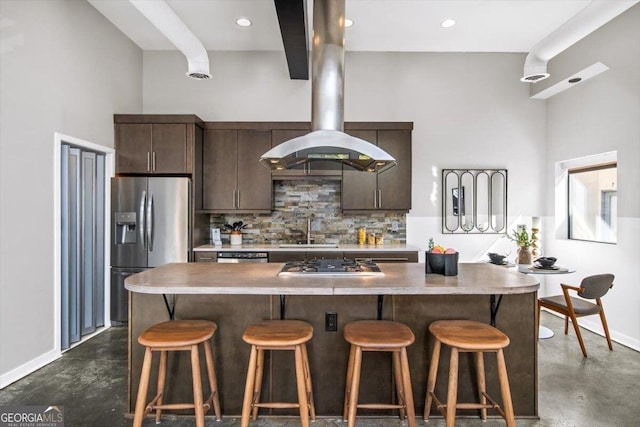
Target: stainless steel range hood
[{"x": 327, "y": 141}]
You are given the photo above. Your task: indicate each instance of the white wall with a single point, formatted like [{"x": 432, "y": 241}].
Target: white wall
[
  {"x": 469, "y": 110},
  {"x": 63, "y": 68},
  {"x": 601, "y": 115}
]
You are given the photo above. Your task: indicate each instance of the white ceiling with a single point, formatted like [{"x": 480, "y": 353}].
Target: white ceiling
[{"x": 379, "y": 25}]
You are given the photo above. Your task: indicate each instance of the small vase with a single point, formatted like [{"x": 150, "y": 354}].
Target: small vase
[
  {"x": 535, "y": 248},
  {"x": 524, "y": 255},
  {"x": 235, "y": 238}
]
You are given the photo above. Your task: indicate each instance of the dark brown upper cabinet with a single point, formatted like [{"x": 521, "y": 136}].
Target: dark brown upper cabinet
[
  {"x": 233, "y": 180},
  {"x": 155, "y": 144},
  {"x": 389, "y": 190}
]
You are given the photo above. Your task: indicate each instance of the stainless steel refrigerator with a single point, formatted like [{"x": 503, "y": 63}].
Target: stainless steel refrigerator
[{"x": 150, "y": 227}]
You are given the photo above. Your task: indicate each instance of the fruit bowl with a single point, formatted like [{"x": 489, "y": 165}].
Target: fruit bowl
[
  {"x": 496, "y": 258},
  {"x": 546, "y": 261}
]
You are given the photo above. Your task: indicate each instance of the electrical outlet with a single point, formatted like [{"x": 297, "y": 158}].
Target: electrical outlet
[
  {"x": 331, "y": 321},
  {"x": 394, "y": 226}
]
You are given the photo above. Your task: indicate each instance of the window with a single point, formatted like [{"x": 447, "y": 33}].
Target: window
[{"x": 593, "y": 203}]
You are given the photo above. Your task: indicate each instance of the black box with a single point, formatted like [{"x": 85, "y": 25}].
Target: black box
[{"x": 446, "y": 264}]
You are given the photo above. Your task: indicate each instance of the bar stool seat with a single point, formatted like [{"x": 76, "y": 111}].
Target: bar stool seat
[
  {"x": 278, "y": 335},
  {"x": 381, "y": 336},
  {"x": 477, "y": 338},
  {"x": 177, "y": 335}
]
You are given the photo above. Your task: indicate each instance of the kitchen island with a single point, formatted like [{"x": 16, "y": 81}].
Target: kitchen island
[{"x": 235, "y": 295}]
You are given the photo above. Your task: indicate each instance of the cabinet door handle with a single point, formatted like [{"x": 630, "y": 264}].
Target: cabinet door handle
[
  {"x": 379, "y": 198},
  {"x": 153, "y": 161},
  {"x": 238, "y": 204},
  {"x": 148, "y": 162}
]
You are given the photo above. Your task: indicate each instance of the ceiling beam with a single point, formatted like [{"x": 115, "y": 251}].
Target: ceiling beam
[{"x": 293, "y": 27}]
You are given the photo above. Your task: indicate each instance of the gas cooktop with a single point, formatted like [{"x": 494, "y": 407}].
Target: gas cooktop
[{"x": 331, "y": 267}]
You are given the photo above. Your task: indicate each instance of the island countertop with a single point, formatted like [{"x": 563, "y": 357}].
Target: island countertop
[{"x": 263, "y": 279}]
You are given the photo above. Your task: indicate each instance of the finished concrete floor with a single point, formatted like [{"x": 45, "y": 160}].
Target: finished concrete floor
[{"x": 599, "y": 391}]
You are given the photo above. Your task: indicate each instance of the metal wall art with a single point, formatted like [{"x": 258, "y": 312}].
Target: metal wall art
[{"x": 474, "y": 201}]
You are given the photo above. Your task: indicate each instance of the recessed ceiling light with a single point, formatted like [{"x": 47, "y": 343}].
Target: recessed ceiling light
[
  {"x": 243, "y": 22},
  {"x": 448, "y": 23},
  {"x": 348, "y": 22}
]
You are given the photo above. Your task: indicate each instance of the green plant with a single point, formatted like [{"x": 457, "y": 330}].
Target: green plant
[{"x": 521, "y": 236}]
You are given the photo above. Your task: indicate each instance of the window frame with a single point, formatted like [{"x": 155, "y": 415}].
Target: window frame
[{"x": 570, "y": 216}]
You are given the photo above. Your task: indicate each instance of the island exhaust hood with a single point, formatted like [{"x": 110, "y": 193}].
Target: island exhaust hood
[{"x": 327, "y": 140}]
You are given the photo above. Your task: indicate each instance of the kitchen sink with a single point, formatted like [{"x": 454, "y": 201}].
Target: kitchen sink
[{"x": 308, "y": 246}]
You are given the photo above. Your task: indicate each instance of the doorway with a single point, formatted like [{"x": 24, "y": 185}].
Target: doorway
[{"x": 82, "y": 239}]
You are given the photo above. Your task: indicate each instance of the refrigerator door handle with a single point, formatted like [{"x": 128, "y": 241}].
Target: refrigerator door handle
[
  {"x": 141, "y": 216},
  {"x": 150, "y": 221}
]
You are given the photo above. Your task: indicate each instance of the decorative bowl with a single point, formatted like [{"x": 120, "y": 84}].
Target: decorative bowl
[
  {"x": 546, "y": 261},
  {"x": 496, "y": 258}
]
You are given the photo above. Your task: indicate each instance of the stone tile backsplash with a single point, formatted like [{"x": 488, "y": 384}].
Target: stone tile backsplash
[{"x": 295, "y": 201}]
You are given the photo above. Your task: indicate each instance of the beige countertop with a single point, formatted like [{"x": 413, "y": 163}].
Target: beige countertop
[
  {"x": 297, "y": 248},
  {"x": 263, "y": 279}
]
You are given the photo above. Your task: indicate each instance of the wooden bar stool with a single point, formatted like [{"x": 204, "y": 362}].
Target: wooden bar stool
[
  {"x": 278, "y": 335},
  {"x": 177, "y": 335},
  {"x": 477, "y": 338},
  {"x": 379, "y": 335}
]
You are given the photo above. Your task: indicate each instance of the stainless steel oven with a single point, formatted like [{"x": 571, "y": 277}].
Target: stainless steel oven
[{"x": 235, "y": 257}]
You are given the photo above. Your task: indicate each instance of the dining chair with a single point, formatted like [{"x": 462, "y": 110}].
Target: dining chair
[{"x": 591, "y": 288}]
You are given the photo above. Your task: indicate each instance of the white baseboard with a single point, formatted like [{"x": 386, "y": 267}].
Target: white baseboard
[
  {"x": 87, "y": 337},
  {"x": 44, "y": 359},
  {"x": 596, "y": 328},
  {"x": 29, "y": 367}
]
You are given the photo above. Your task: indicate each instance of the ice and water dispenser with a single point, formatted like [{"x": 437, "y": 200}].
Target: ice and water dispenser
[{"x": 126, "y": 225}]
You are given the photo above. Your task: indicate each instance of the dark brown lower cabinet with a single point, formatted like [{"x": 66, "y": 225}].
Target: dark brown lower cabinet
[
  {"x": 277, "y": 256},
  {"x": 377, "y": 256},
  {"x": 206, "y": 256},
  {"x": 382, "y": 257}
]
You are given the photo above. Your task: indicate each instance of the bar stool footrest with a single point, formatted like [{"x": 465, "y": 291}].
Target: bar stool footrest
[
  {"x": 171, "y": 406},
  {"x": 276, "y": 405},
  {"x": 472, "y": 405},
  {"x": 468, "y": 405},
  {"x": 379, "y": 406}
]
